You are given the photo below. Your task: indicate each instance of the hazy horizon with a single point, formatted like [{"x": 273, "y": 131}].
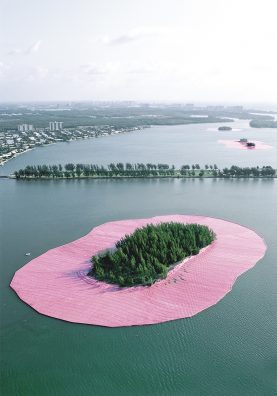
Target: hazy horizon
[
  {"x": 266, "y": 106},
  {"x": 151, "y": 51}
]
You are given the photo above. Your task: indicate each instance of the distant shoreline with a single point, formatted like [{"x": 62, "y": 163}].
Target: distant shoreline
[
  {"x": 141, "y": 177},
  {"x": 16, "y": 155},
  {"x": 175, "y": 176},
  {"x": 115, "y": 132},
  {"x": 149, "y": 170},
  {"x": 3, "y": 162}
]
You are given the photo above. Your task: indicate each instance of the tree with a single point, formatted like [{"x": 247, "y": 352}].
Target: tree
[
  {"x": 69, "y": 167},
  {"x": 145, "y": 256}
]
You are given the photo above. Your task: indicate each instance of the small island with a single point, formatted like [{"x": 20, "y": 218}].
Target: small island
[
  {"x": 246, "y": 143},
  {"x": 149, "y": 253},
  {"x": 263, "y": 123},
  {"x": 189, "y": 288},
  {"x": 243, "y": 140},
  {"x": 224, "y": 128}
]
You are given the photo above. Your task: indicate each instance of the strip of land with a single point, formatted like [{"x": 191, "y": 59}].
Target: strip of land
[{"x": 139, "y": 170}]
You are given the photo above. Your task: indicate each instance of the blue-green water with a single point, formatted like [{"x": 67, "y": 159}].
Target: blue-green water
[
  {"x": 181, "y": 144},
  {"x": 229, "y": 349}
]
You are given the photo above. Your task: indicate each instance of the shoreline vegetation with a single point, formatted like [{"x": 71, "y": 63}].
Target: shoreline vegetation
[
  {"x": 147, "y": 255},
  {"x": 138, "y": 170},
  {"x": 85, "y": 121},
  {"x": 263, "y": 123},
  {"x": 64, "y": 136}
]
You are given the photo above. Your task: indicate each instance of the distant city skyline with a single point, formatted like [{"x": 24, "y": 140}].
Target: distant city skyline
[{"x": 157, "y": 50}]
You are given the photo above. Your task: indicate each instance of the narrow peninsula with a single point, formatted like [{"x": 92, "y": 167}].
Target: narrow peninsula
[{"x": 139, "y": 170}]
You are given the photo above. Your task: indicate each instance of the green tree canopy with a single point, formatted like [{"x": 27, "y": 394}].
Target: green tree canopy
[{"x": 146, "y": 255}]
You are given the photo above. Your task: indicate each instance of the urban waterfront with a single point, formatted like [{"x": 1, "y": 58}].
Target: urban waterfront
[
  {"x": 226, "y": 349},
  {"x": 175, "y": 145}
]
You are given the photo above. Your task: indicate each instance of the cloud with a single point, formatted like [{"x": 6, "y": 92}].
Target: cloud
[
  {"x": 34, "y": 74},
  {"x": 4, "y": 69},
  {"x": 141, "y": 70},
  {"x": 14, "y": 74},
  {"x": 26, "y": 51},
  {"x": 93, "y": 69},
  {"x": 130, "y": 36},
  {"x": 116, "y": 69},
  {"x": 98, "y": 70},
  {"x": 41, "y": 72},
  {"x": 35, "y": 47}
]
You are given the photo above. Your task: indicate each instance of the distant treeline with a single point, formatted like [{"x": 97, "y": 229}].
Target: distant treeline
[
  {"x": 263, "y": 123},
  {"x": 120, "y": 169},
  {"x": 117, "y": 117}
]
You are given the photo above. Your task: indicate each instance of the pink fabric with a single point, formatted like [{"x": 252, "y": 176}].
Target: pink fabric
[
  {"x": 55, "y": 283},
  {"x": 242, "y": 146}
]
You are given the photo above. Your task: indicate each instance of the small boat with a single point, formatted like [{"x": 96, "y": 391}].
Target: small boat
[
  {"x": 27, "y": 254},
  {"x": 250, "y": 144}
]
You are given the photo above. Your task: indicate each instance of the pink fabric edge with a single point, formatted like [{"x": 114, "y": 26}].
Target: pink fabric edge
[
  {"x": 235, "y": 144},
  {"x": 55, "y": 283}
]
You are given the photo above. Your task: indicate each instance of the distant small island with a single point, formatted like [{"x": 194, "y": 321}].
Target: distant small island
[
  {"x": 224, "y": 128},
  {"x": 246, "y": 143},
  {"x": 263, "y": 123},
  {"x": 146, "y": 255}
]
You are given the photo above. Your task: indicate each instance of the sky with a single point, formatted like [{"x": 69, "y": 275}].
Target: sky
[{"x": 147, "y": 50}]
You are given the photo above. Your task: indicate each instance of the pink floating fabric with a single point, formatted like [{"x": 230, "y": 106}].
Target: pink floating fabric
[
  {"x": 55, "y": 283},
  {"x": 235, "y": 144}
]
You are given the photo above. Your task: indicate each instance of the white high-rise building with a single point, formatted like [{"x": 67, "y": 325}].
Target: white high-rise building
[
  {"x": 25, "y": 128},
  {"x": 51, "y": 125},
  {"x": 55, "y": 125},
  {"x": 60, "y": 125}
]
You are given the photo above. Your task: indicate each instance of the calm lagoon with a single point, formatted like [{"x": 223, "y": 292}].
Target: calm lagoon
[
  {"x": 177, "y": 145},
  {"x": 229, "y": 349}
]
